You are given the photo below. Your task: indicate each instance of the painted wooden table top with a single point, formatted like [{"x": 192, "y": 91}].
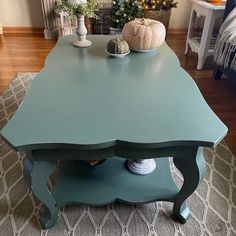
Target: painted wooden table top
[{"x": 83, "y": 98}]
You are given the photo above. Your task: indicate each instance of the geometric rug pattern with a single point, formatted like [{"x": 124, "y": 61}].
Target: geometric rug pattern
[{"x": 212, "y": 206}]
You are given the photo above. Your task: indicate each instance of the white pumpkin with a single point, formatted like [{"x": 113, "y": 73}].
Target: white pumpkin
[{"x": 144, "y": 34}]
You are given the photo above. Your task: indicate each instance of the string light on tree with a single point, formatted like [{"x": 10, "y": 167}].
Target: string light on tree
[{"x": 158, "y": 4}]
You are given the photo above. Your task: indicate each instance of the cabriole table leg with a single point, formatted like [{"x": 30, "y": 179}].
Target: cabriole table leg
[
  {"x": 192, "y": 167},
  {"x": 36, "y": 175}
]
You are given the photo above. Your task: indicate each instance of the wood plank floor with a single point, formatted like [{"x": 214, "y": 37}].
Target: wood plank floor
[{"x": 27, "y": 53}]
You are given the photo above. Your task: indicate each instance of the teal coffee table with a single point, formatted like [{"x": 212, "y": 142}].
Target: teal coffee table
[{"x": 85, "y": 105}]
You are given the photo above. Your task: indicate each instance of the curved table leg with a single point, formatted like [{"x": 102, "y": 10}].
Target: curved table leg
[
  {"x": 193, "y": 168},
  {"x": 36, "y": 175}
]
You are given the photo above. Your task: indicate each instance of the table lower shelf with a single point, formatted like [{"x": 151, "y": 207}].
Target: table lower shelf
[
  {"x": 80, "y": 183},
  {"x": 195, "y": 42}
]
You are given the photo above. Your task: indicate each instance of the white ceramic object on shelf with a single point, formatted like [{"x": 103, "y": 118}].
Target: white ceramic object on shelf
[
  {"x": 81, "y": 31},
  {"x": 117, "y": 55},
  {"x": 141, "y": 167}
]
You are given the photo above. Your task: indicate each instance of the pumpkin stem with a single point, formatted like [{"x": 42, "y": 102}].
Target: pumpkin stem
[{"x": 145, "y": 21}]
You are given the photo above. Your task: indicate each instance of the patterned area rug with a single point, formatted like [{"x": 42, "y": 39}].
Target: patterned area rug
[{"x": 213, "y": 205}]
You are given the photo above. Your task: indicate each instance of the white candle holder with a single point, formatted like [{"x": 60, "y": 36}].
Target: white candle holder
[
  {"x": 81, "y": 31},
  {"x": 142, "y": 166}
]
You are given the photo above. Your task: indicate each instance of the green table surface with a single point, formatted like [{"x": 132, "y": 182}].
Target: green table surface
[{"x": 85, "y": 99}]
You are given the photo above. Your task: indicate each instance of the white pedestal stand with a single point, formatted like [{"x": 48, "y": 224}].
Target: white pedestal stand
[{"x": 81, "y": 31}]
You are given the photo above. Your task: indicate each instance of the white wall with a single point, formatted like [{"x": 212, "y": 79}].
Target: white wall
[
  {"x": 26, "y": 13},
  {"x": 180, "y": 15}
]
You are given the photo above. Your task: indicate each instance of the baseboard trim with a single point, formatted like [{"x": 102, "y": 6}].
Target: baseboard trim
[
  {"x": 23, "y": 30},
  {"x": 177, "y": 32},
  {"x": 52, "y": 34}
]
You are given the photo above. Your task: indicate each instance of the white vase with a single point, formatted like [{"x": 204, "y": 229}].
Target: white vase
[{"x": 81, "y": 31}]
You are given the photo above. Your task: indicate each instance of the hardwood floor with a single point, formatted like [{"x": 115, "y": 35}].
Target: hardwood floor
[
  {"x": 26, "y": 53},
  {"x": 21, "y": 53}
]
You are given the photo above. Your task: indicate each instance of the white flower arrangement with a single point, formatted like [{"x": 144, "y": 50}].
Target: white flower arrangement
[{"x": 82, "y": 7}]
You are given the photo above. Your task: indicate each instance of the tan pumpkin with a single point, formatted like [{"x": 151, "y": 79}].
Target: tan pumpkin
[{"x": 144, "y": 34}]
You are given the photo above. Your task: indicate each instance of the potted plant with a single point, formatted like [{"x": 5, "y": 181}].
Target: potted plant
[
  {"x": 158, "y": 10},
  {"x": 122, "y": 12},
  {"x": 80, "y": 9}
]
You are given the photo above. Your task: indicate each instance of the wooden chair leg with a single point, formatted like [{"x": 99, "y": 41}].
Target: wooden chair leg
[{"x": 217, "y": 74}]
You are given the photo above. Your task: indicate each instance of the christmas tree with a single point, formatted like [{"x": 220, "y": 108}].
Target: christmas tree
[
  {"x": 125, "y": 11},
  {"x": 158, "y": 4}
]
